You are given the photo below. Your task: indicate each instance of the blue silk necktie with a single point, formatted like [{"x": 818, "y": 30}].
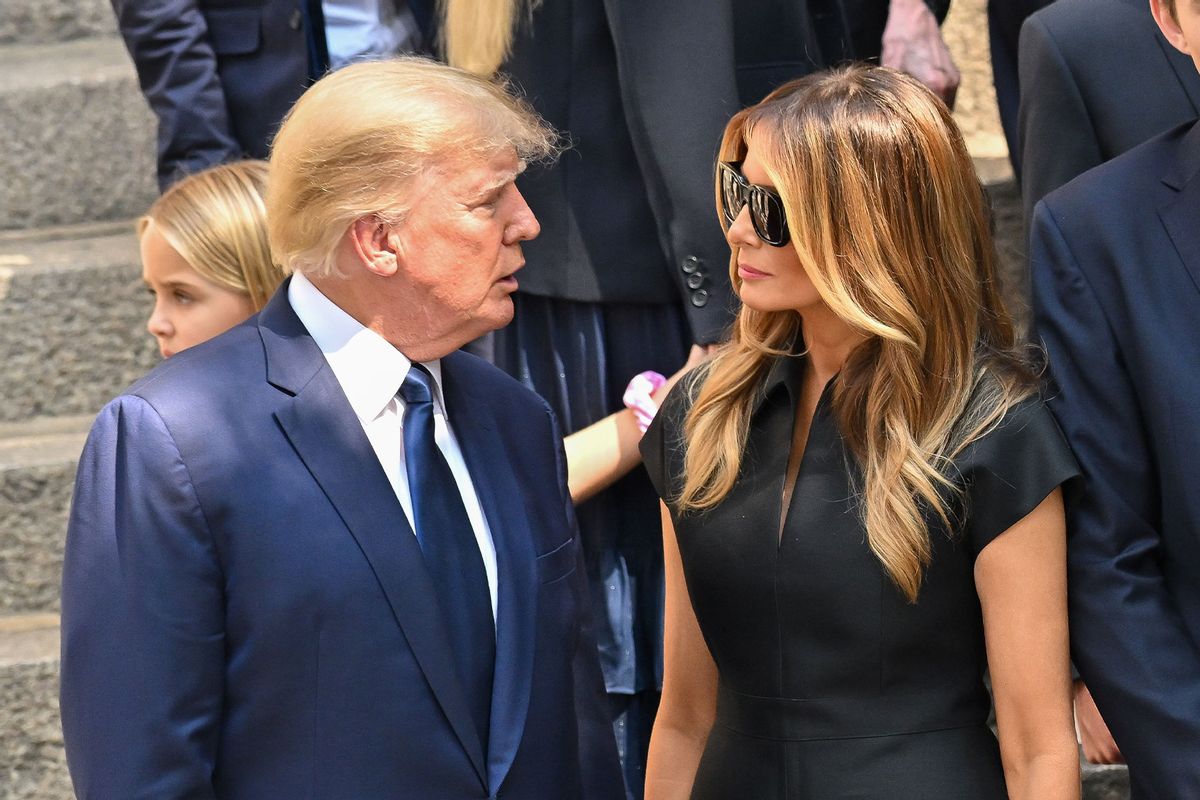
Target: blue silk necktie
[{"x": 451, "y": 551}]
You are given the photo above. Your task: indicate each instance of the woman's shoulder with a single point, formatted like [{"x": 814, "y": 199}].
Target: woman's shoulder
[
  {"x": 1010, "y": 467},
  {"x": 662, "y": 445},
  {"x": 1024, "y": 426}
]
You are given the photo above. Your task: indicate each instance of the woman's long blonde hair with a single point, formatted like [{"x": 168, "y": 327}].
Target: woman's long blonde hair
[
  {"x": 891, "y": 225},
  {"x": 477, "y": 35},
  {"x": 217, "y": 220}
]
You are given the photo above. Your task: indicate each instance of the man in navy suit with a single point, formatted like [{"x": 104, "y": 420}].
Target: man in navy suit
[
  {"x": 325, "y": 554},
  {"x": 1116, "y": 279},
  {"x": 1097, "y": 79},
  {"x": 221, "y": 74}
]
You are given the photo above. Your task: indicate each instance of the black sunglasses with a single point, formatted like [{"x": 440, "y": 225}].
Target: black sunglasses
[{"x": 766, "y": 206}]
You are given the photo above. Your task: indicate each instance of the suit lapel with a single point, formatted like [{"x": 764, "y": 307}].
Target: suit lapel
[
  {"x": 1181, "y": 214},
  {"x": 325, "y": 433},
  {"x": 476, "y": 427}
]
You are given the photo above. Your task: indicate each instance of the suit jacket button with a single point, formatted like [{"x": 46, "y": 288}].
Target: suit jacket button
[
  {"x": 295, "y": 19},
  {"x": 700, "y": 298},
  {"x": 695, "y": 280},
  {"x": 690, "y": 265}
]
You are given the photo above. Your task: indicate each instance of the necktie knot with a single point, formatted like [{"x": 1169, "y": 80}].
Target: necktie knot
[{"x": 417, "y": 386}]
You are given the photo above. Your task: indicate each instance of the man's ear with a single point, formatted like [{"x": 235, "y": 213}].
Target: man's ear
[
  {"x": 375, "y": 245},
  {"x": 1169, "y": 25}
]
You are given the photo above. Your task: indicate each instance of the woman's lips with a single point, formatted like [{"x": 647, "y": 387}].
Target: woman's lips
[{"x": 749, "y": 273}]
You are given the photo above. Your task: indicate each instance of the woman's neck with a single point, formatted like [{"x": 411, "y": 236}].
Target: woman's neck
[{"x": 828, "y": 341}]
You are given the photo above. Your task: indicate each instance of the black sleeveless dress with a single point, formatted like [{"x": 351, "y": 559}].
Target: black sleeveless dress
[{"x": 831, "y": 684}]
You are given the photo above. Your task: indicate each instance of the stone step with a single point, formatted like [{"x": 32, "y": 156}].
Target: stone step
[
  {"x": 37, "y": 472},
  {"x": 31, "y": 744},
  {"x": 42, "y": 21},
  {"x": 78, "y": 136},
  {"x": 995, "y": 173},
  {"x": 72, "y": 320},
  {"x": 1105, "y": 782}
]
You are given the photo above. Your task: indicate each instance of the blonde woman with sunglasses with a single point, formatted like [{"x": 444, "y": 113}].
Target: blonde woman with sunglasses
[{"x": 862, "y": 510}]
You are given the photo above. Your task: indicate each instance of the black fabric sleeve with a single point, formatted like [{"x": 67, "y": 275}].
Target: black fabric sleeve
[
  {"x": 1011, "y": 469},
  {"x": 662, "y": 445}
]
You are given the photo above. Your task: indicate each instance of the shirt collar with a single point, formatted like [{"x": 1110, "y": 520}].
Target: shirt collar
[
  {"x": 786, "y": 371},
  {"x": 368, "y": 368}
]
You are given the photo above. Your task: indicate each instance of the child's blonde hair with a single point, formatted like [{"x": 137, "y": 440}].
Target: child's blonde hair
[{"x": 217, "y": 220}]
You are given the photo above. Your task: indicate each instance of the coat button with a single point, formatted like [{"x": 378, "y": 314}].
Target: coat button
[
  {"x": 690, "y": 265},
  {"x": 695, "y": 280},
  {"x": 700, "y": 298},
  {"x": 295, "y": 19}
]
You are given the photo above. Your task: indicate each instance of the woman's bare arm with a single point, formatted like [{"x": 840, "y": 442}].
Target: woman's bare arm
[
  {"x": 605, "y": 451},
  {"x": 1021, "y": 577},
  {"x": 689, "y": 696}
]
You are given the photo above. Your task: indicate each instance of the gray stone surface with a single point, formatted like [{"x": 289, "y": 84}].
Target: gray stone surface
[
  {"x": 40, "y": 21},
  {"x": 37, "y": 470},
  {"x": 78, "y": 136},
  {"x": 72, "y": 321},
  {"x": 33, "y": 765},
  {"x": 1105, "y": 783},
  {"x": 1009, "y": 231}
]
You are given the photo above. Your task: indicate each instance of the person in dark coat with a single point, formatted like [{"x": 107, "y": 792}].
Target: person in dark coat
[
  {"x": 1116, "y": 277},
  {"x": 1097, "y": 78},
  {"x": 220, "y": 74}
]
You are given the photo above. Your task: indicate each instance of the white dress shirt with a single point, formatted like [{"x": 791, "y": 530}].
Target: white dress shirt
[
  {"x": 362, "y": 30},
  {"x": 370, "y": 372}
]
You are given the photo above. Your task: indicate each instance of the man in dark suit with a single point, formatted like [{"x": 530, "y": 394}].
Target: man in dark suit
[
  {"x": 1097, "y": 78},
  {"x": 1116, "y": 278},
  {"x": 325, "y": 555},
  {"x": 220, "y": 74},
  {"x": 1005, "y": 18}
]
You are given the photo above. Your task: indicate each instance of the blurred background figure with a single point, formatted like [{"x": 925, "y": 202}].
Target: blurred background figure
[
  {"x": 220, "y": 74},
  {"x": 1097, "y": 78},
  {"x": 1005, "y": 18},
  {"x": 631, "y": 270}
]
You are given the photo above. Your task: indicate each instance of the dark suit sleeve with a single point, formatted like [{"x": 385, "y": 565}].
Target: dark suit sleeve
[
  {"x": 1128, "y": 638},
  {"x": 1057, "y": 137},
  {"x": 599, "y": 766},
  {"x": 177, "y": 69},
  {"x": 142, "y": 618}
]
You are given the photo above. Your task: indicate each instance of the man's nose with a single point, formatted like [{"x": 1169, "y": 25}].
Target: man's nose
[{"x": 524, "y": 225}]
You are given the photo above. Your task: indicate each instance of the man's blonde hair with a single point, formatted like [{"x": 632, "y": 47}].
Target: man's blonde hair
[
  {"x": 216, "y": 220},
  {"x": 353, "y": 144}
]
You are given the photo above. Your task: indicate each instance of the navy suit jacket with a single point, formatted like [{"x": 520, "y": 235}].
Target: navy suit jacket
[
  {"x": 1116, "y": 279},
  {"x": 1097, "y": 78},
  {"x": 246, "y": 612},
  {"x": 220, "y": 74}
]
